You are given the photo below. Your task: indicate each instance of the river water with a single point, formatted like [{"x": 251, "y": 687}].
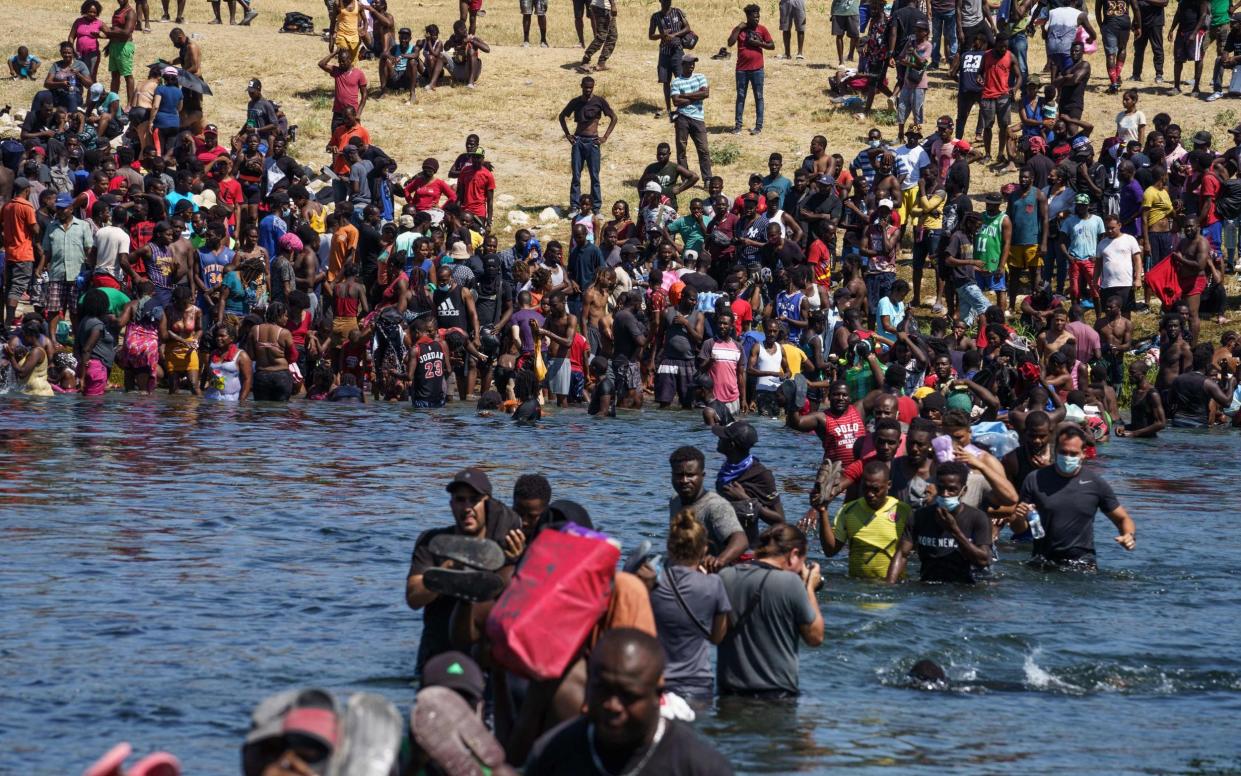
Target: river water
[{"x": 169, "y": 563}]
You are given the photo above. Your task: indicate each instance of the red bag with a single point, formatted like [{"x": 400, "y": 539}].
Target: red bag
[
  {"x": 1161, "y": 279},
  {"x": 562, "y": 588}
]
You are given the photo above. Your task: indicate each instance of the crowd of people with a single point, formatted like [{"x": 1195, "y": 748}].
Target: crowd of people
[{"x": 147, "y": 248}]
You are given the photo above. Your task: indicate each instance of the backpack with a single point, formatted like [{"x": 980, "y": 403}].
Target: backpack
[
  {"x": 298, "y": 22},
  {"x": 1228, "y": 202}
]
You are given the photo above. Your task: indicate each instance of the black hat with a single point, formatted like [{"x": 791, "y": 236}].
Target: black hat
[
  {"x": 456, "y": 671},
  {"x": 473, "y": 477},
  {"x": 739, "y": 434}
]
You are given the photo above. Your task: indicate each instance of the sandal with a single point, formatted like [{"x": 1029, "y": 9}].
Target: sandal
[
  {"x": 481, "y": 554},
  {"x": 451, "y": 734}
]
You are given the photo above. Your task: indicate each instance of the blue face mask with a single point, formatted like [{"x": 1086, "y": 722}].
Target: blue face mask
[
  {"x": 949, "y": 503},
  {"x": 1068, "y": 464}
]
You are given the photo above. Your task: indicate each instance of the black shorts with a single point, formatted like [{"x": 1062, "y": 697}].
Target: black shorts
[
  {"x": 674, "y": 380},
  {"x": 402, "y": 80},
  {"x": 845, "y": 25},
  {"x": 627, "y": 376},
  {"x": 274, "y": 385}
]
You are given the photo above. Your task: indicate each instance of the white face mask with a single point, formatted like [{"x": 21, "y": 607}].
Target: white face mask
[{"x": 1068, "y": 464}]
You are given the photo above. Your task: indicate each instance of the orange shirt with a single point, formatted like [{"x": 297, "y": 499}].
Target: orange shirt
[
  {"x": 344, "y": 240},
  {"x": 340, "y": 138},
  {"x": 18, "y": 222}
]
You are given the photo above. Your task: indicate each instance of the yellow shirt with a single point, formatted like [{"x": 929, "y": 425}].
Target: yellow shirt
[
  {"x": 924, "y": 208},
  {"x": 794, "y": 355},
  {"x": 872, "y": 535},
  {"x": 1159, "y": 204}
]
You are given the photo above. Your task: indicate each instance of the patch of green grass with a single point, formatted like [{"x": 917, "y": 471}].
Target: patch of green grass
[
  {"x": 883, "y": 116},
  {"x": 724, "y": 154},
  {"x": 1226, "y": 119}
]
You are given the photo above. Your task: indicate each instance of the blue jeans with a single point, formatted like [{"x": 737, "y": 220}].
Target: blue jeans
[
  {"x": 585, "y": 152},
  {"x": 1018, "y": 45},
  {"x": 943, "y": 25},
  {"x": 972, "y": 302},
  {"x": 745, "y": 79}
]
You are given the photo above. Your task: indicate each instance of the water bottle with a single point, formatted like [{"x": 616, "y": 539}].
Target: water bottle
[{"x": 1036, "y": 524}]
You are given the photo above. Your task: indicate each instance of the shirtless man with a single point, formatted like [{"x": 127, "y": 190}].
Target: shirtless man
[
  {"x": 887, "y": 185},
  {"x": 306, "y": 271},
  {"x": 186, "y": 257},
  {"x": 1056, "y": 336},
  {"x": 558, "y": 328},
  {"x": 1175, "y": 355},
  {"x": 1116, "y": 336},
  {"x": 271, "y": 347},
  {"x": 819, "y": 162},
  {"x": 1191, "y": 262},
  {"x": 189, "y": 59},
  {"x": 597, "y": 313}
]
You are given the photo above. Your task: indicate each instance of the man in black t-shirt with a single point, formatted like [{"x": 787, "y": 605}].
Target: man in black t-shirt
[
  {"x": 953, "y": 540},
  {"x": 744, "y": 481},
  {"x": 1067, "y": 496},
  {"x": 622, "y": 730},
  {"x": 628, "y": 339},
  {"x": 586, "y": 111},
  {"x": 476, "y": 514}
]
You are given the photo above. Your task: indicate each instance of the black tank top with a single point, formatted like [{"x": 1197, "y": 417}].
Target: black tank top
[
  {"x": 487, "y": 303},
  {"x": 1139, "y": 414},
  {"x": 430, "y": 372},
  {"x": 1189, "y": 395},
  {"x": 449, "y": 309}
]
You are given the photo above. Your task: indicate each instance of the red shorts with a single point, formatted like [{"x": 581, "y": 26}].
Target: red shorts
[
  {"x": 1192, "y": 288},
  {"x": 476, "y": 5},
  {"x": 1081, "y": 278}
]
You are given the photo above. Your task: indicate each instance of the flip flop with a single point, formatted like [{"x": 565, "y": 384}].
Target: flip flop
[
  {"x": 638, "y": 557},
  {"x": 110, "y": 764},
  {"x": 474, "y": 553},
  {"x": 373, "y": 730},
  {"x": 453, "y": 736},
  {"x": 466, "y": 584}
]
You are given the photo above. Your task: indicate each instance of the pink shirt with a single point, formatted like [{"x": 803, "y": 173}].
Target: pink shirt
[{"x": 83, "y": 35}]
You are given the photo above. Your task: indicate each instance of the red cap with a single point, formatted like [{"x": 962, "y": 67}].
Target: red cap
[{"x": 962, "y": 145}]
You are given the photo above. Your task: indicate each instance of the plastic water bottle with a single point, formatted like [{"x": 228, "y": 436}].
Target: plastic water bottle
[{"x": 1036, "y": 524}]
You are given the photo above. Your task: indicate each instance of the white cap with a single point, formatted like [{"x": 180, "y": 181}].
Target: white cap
[
  {"x": 96, "y": 91},
  {"x": 653, "y": 187},
  {"x": 886, "y": 203}
]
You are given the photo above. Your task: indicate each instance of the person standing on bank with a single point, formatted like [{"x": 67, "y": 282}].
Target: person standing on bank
[
  {"x": 586, "y": 111},
  {"x": 1066, "y": 497},
  {"x": 603, "y": 19},
  {"x": 670, "y": 27},
  {"x": 751, "y": 40},
  {"x": 688, "y": 90}
]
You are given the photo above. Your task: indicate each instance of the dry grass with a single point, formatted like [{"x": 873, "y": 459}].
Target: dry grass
[{"x": 522, "y": 90}]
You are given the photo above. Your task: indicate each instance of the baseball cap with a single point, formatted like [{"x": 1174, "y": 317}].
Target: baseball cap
[
  {"x": 962, "y": 145},
  {"x": 1202, "y": 137},
  {"x": 1080, "y": 141},
  {"x": 278, "y": 199},
  {"x": 1082, "y": 199},
  {"x": 169, "y": 70},
  {"x": 653, "y": 187},
  {"x": 739, "y": 433},
  {"x": 886, "y": 203},
  {"x": 688, "y": 58},
  {"x": 64, "y": 199},
  {"x": 944, "y": 122},
  {"x": 824, "y": 180},
  {"x": 309, "y": 712},
  {"x": 211, "y": 129},
  {"x": 922, "y": 24},
  {"x": 933, "y": 401},
  {"x": 474, "y": 478},
  {"x": 21, "y": 184},
  {"x": 96, "y": 91},
  {"x": 993, "y": 198},
  {"x": 1037, "y": 143},
  {"x": 456, "y": 671},
  {"x": 255, "y": 84}
]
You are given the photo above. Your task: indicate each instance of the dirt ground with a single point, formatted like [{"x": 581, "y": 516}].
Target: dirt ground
[{"x": 522, "y": 90}]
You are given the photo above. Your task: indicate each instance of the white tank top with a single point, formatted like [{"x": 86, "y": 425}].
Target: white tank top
[
  {"x": 769, "y": 362},
  {"x": 816, "y": 301},
  {"x": 777, "y": 218},
  {"x": 226, "y": 383}
]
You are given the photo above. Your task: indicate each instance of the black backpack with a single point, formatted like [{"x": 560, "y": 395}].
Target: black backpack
[
  {"x": 298, "y": 22},
  {"x": 1228, "y": 203}
]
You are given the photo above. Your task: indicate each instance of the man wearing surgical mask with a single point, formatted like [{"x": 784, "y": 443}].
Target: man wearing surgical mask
[
  {"x": 1067, "y": 496},
  {"x": 953, "y": 539}
]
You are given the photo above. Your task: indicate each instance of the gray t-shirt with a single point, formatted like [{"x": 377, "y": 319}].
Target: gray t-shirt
[
  {"x": 759, "y": 654},
  {"x": 971, "y": 13},
  {"x": 360, "y": 173},
  {"x": 714, "y": 512},
  {"x": 689, "y": 652}
]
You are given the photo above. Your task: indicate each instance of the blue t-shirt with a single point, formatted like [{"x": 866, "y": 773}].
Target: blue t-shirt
[
  {"x": 694, "y": 83},
  {"x": 240, "y": 300},
  {"x": 778, "y": 184},
  {"x": 896, "y": 312},
  {"x": 1084, "y": 234},
  {"x": 169, "y": 114}
]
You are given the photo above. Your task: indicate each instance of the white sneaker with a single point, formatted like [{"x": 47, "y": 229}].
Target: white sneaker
[{"x": 1214, "y": 96}]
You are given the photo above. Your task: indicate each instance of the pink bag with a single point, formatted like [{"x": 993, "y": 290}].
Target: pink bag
[
  {"x": 562, "y": 588},
  {"x": 1090, "y": 47}
]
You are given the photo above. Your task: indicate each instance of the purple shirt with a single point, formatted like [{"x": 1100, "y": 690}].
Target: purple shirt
[
  {"x": 521, "y": 319},
  {"x": 1131, "y": 208},
  {"x": 1088, "y": 345}
]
